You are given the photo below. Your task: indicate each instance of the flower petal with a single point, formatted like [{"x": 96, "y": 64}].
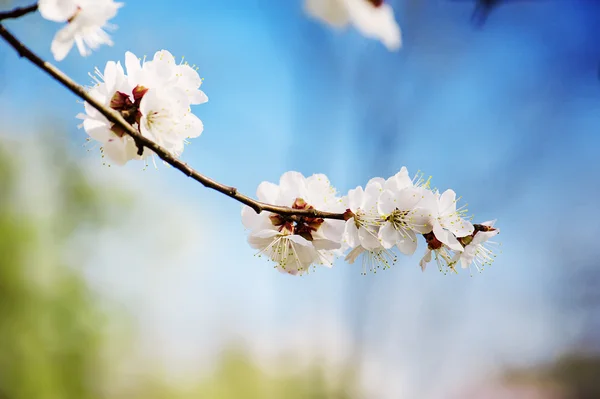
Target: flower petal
[
  {"x": 388, "y": 235},
  {"x": 375, "y": 22},
  {"x": 63, "y": 42},
  {"x": 387, "y": 202},
  {"x": 251, "y": 219},
  {"x": 447, "y": 202},
  {"x": 368, "y": 238},
  {"x": 351, "y": 233},
  {"x": 355, "y": 198},
  {"x": 57, "y": 10},
  {"x": 267, "y": 192},
  {"x": 331, "y": 11},
  {"x": 407, "y": 243},
  {"x": 426, "y": 259}
]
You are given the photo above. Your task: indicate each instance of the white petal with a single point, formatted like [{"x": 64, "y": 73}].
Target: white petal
[
  {"x": 461, "y": 227},
  {"x": 447, "y": 202},
  {"x": 331, "y": 11},
  {"x": 375, "y": 22},
  {"x": 355, "y": 198},
  {"x": 351, "y": 257},
  {"x": 399, "y": 181},
  {"x": 407, "y": 199},
  {"x": 420, "y": 221},
  {"x": 376, "y": 183},
  {"x": 300, "y": 240},
  {"x": 490, "y": 223},
  {"x": 267, "y": 233},
  {"x": 192, "y": 126},
  {"x": 267, "y": 192},
  {"x": 292, "y": 185},
  {"x": 351, "y": 234},
  {"x": 388, "y": 235},
  {"x": 425, "y": 260},
  {"x": 373, "y": 190},
  {"x": 134, "y": 69},
  {"x": 466, "y": 258},
  {"x": 483, "y": 236},
  {"x": 198, "y": 97},
  {"x": 368, "y": 239},
  {"x": 98, "y": 130},
  {"x": 447, "y": 238},
  {"x": 120, "y": 150},
  {"x": 332, "y": 229},
  {"x": 387, "y": 202},
  {"x": 57, "y": 10},
  {"x": 325, "y": 244},
  {"x": 408, "y": 243},
  {"x": 262, "y": 239},
  {"x": 62, "y": 43},
  {"x": 250, "y": 218}
]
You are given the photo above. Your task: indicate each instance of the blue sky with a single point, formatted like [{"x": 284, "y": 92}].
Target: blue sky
[{"x": 506, "y": 115}]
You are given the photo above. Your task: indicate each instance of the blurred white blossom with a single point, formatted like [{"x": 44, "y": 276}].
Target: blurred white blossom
[
  {"x": 373, "y": 18},
  {"x": 86, "y": 21}
]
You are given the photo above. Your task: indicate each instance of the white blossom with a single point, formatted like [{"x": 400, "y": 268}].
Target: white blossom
[
  {"x": 373, "y": 18},
  {"x": 110, "y": 90},
  {"x": 443, "y": 255},
  {"x": 447, "y": 221},
  {"x": 477, "y": 249},
  {"x": 296, "y": 243},
  {"x": 405, "y": 213},
  {"x": 405, "y": 207},
  {"x": 86, "y": 20},
  {"x": 163, "y": 72},
  {"x": 166, "y": 119},
  {"x": 361, "y": 230},
  {"x": 154, "y": 99}
]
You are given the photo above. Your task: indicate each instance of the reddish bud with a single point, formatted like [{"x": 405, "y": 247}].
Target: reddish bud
[
  {"x": 277, "y": 220},
  {"x": 432, "y": 242},
  {"x": 138, "y": 93},
  {"x": 299, "y": 203},
  {"x": 120, "y": 101}
]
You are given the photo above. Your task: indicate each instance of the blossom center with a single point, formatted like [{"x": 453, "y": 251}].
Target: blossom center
[
  {"x": 303, "y": 226},
  {"x": 476, "y": 228},
  {"x": 432, "y": 242},
  {"x": 128, "y": 109},
  {"x": 399, "y": 219},
  {"x": 376, "y": 3}
]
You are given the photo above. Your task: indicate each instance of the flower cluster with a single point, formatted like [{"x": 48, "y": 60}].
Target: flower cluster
[
  {"x": 86, "y": 20},
  {"x": 384, "y": 216},
  {"x": 372, "y": 18},
  {"x": 154, "y": 97}
]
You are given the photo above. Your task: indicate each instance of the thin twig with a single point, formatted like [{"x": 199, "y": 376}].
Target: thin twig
[
  {"x": 18, "y": 12},
  {"x": 162, "y": 153}
]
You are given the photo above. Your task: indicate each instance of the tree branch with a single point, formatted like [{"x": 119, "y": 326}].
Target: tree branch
[
  {"x": 18, "y": 12},
  {"x": 161, "y": 152}
]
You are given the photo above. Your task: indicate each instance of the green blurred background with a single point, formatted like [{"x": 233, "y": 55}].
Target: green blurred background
[{"x": 59, "y": 338}]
